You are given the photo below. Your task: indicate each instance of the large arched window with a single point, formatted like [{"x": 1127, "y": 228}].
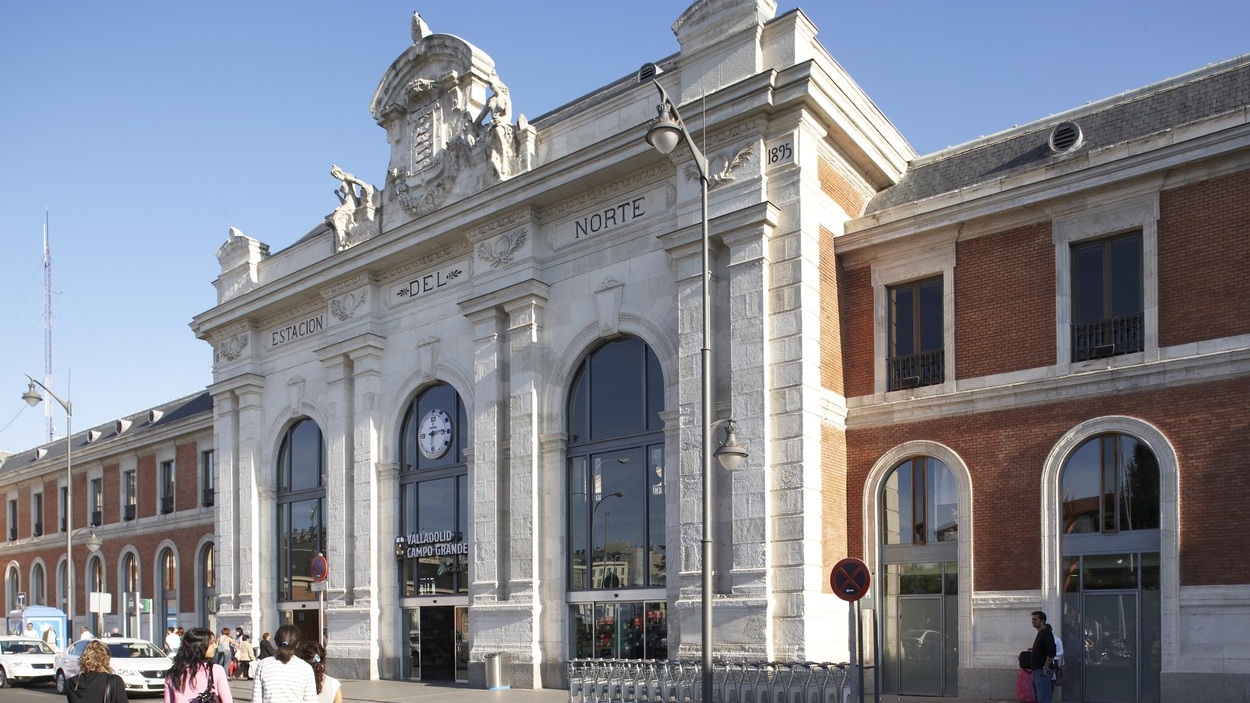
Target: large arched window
[
  {"x": 301, "y": 508},
  {"x": 433, "y": 494},
  {"x": 1110, "y": 571},
  {"x": 38, "y": 592},
  {"x": 920, "y": 585},
  {"x": 1110, "y": 484},
  {"x": 617, "y": 503}
]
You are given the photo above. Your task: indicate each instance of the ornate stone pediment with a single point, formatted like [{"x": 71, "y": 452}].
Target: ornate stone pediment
[{"x": 447, "y": 116}]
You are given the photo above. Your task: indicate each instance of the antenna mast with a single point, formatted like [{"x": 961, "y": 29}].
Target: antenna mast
[{"x": 47, "y": 323}]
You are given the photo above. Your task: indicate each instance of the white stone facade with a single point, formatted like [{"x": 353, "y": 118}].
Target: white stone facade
[{"x": 505, "y": 253}]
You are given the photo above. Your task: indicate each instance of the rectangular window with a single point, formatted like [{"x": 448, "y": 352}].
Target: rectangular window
[
  {"x": 12, "y": 520},
  {"x": 208, "y": 479},
  {"x": 916, "y": 355},
  {"x": 95, "y": 499},
  {"x": 62, "y": 506},
  {"x": 165, "y": 481},
  {"x": 36, "y": 514},
  {"x": 130, "y": 494},
  {"x": 1107, "y": 297}
]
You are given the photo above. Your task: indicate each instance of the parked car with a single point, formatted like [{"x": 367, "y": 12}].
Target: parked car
[
  {"x": 25, "y": 660},
  {"x": 141, "y": 664}
]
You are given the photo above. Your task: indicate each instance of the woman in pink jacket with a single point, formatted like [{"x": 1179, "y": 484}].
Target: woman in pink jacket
[{"x": 194, "y": 672}]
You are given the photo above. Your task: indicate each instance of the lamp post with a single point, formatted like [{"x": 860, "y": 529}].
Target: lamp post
[
  {"x": 32, "y": 398},
  {"x": 594, "y": 510},
  {"x": 667, "y": 130}
]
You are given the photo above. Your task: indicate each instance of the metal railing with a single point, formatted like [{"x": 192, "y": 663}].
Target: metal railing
[
  {"x": 1110, "y": 337},
  {"x": 661, "y": 681},
  {"x": 913, "y": 370}
]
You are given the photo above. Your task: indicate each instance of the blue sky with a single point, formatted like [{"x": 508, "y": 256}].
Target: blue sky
[{"x": 147, "y": 129}]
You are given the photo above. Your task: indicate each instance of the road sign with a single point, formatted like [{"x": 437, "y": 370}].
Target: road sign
[
  {"x": 850, "y": 579},
  {"x": 318, "y": 586},
  {"x": 320, "y": 568}
]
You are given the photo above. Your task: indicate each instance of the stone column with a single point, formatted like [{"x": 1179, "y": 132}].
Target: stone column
[
  {"x": 256, "y": 575},
  {"x": 353, "y": 376},
  {"x": 226, "y": 457}
]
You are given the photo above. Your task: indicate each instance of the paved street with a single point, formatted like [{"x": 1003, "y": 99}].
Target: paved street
[{"x": 415, "y": 692}]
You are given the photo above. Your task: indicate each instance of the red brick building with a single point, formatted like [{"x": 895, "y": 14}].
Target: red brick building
[
  {"x": 144, "y": 487},
  {"x": 1045, "y": 341}
]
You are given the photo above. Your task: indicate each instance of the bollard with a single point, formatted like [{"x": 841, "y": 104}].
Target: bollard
[{"x": 497, "y": 678}]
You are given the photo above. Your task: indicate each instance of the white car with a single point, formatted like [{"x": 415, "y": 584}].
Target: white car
[
  {"x": 24, "y": 660},
  {"x": 141, "y": 664}
]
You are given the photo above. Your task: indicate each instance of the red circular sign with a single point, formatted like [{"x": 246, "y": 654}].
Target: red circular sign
[
  {"x": 850, "y": 579},
  {"x": 320, "y": 568}
]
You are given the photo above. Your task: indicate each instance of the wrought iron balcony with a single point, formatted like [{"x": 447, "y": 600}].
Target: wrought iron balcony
[
  {"x": 915, "y": 370},
  {"x": 167, "y": 505},
  {"x": 1109, "y": 337},
  {"x": 208, "y": 498},
  {"x": 37, "y": 531},
  {"x": 97, "y": 518},
  {"x": 12, "y": 534},
  {"x": 128, "y": 512}
]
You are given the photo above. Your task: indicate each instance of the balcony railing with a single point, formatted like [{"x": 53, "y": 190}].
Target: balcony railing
[
  {"x": 167, "y": 505},
  {"x": 12, "y": 534},
  {"x": 914, "y": 370},
  {"x": 62, "y": 524},
  {"x": 128, "y": 512},
  {"x": 208, "y": 498},
  {"x": 37, "y": 529},
  {"x": 1109, "y": 337},
  {"x": 97, "y": 518}
]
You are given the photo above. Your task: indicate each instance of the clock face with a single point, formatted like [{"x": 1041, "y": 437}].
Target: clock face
[{"x": 434, "y": 434}]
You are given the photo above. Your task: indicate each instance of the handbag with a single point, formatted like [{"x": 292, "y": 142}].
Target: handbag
[
  {"x": 1026, "y": 659},
  {"x": 1061, "y": 674},
  {"x": 208, "y": 695}
]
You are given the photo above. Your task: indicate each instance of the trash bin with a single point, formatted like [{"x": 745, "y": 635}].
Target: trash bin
[{"x": 497, "y": 671}]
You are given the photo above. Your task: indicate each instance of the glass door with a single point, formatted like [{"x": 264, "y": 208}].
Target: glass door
[
  {"x": 462, "y": 644},
  {"x": 1111, "y": 657},
  {"x": 920, "y": 645}
]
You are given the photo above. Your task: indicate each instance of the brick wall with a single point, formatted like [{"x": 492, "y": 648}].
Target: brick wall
[
  {"x": 1204, "y": 247},
  {"x": 186, "y": 480},
  {"x": 1005, "y": 450},
  {"x": 830, "y": 316},
  {"x": 1005, "y": 302},
  {"x": 857, "y": 330},
  {"x": 148, "y": 490},
  {"x": 837, "y": 187},
  {"x": 833, "y": 493}
]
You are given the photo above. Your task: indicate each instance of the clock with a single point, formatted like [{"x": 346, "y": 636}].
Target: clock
[{"x": 434, "y": 434}]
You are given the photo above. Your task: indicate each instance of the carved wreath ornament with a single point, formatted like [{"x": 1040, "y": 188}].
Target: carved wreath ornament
[
  {"x": 347, "y": 305},
  {"x": 727, "y": 166},
  {"x": 499, "y": 251},
  {"x": 232, "y": 348}
]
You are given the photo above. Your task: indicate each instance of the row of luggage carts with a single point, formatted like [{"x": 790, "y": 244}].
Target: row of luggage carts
[{"x": 662, "y": 681}]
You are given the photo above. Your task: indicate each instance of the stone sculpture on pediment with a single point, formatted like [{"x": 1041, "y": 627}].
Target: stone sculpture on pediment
[
  {"x": 448, "y": 116},
  {"x": 357, "y": 218}
]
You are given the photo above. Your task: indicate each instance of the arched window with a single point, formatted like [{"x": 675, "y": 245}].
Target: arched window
[
  {"x": 920, "y": 582},
  {"x": 13, "y": 583},
  {"x": 433, "y": 494},
  {"x": 920, "y": 504},
  {"x": 130, "y": 592},
  {"x": 1110, "y": 484},
  {"x": 432, "y": 545},
  {"x": 38, "y": 593},
  {"x": 617, "y": 502},
  {"x": 95, "y": 584},
  {"x": 208, "y": 586},
  {"x": 1110, "y": 572},
  {"x": 167, "y": 562},
  {"x": 301, "y": 508}
]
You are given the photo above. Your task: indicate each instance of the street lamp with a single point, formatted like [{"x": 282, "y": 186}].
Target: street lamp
[
  {"x": 32, "y": 398},
  {"x": 667, "y": 130}
]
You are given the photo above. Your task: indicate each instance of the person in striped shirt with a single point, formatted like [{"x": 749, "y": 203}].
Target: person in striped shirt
[{"x": 284, "y": 677}]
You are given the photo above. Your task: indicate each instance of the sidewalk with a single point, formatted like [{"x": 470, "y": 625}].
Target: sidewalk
[{"x": 417, "y": 692}]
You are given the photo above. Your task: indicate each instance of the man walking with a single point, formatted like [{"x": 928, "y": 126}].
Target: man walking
[{"x": 1043, "y": 658}]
